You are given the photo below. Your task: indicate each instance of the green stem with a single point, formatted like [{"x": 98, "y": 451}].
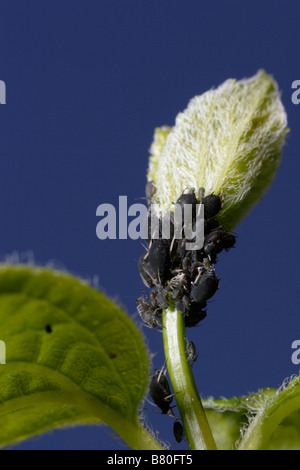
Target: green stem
[
  {"x": 189, "y": 404},
  {"x": 138, "y": 438}
]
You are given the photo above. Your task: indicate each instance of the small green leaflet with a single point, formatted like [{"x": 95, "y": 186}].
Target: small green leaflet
[{"x": 266, "y": 420}]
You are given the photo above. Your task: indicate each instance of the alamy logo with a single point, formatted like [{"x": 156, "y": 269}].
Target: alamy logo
[
  {"x": 296, "y": 94},
  {"x": 2, "y": 353},
  {"x": 296, "y": 354},
  {"x": 2, "y": 92},
  {"x": 147, "y": 223}
]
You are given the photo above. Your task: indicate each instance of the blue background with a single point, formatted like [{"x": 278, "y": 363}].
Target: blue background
[{"x": 87, "y": 83}]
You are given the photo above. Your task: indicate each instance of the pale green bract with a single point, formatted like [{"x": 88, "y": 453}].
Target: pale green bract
[
  {"x": 266, "y": 420},
  {"x": 229, "y": 140}
]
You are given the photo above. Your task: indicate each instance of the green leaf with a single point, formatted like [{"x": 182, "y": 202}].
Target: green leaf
[
  {"x": 72, "y": 357},
  {"x": 266, "y": 420},
  {"x": 226, "y": 419},
  {"x": 287, "y": 435},
  {"x": 276, "y": 423}
]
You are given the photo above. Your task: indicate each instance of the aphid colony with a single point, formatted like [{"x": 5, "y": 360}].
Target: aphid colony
[{"x": 185, "y": 277}]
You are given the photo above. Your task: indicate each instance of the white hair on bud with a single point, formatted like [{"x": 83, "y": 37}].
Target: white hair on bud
[{"x": 228, "y": 140}]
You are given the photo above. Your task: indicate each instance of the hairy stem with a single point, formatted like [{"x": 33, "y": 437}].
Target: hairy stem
[
  {"x": 138, "y": 438},
  {"x": 189, "y": 404}
]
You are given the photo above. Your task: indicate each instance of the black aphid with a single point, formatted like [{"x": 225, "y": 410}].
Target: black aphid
[
  {"x": 48, "y": 329},
  {"x": 179, "y": 285},
  {"x": 153, "y": 229},
  {"x": 181, "y": 248},
  {"x": 191, "y": 351},
  {"x": 159, "y": 260},
  {"x": 195, "y": 267},
  {"x": 195, "y": 315},
  {"x": 178, "y": 431},
  {"x": 187, "y": 199},
  {"x": 145, "y": 271},
  {"x": 212, "y": 205},
  {"x": 167, "y": 227},
  {"x": 146, "y": 312},
  {"x": 209, "y": 225},
  {"x": 205, "y": 286},
  {"x": 158, "y": 227},
  {"x": 160, "y": 391},
  {"x": 184, "y": 305},
  {"x": 186, "y": 264},
  {"x": 216, "y": 241},
  {"x": 150, "y": 191},
  {"x": 159, "y": 298}
]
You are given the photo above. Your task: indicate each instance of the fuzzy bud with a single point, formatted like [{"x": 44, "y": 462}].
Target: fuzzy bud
[{"x": 229, "y": 140}]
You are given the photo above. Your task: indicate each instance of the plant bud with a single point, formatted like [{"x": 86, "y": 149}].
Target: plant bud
[{"x": 228, "y": 140}]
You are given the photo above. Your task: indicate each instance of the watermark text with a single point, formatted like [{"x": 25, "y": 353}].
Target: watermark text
[
  {"x": 296, "y": 354},
  {"x": 2, "y": 92},
  {"x": 296, "y": 94},
  {"x": 150, "y": 224},
  {"x": 2, "y": 353}
]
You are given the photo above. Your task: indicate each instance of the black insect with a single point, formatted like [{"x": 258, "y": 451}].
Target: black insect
[
  {"x": 179, "y": 285},
  {"x": 48, "y": 329},
  {"x": 194, "y": 315},
  {"x": 184, "y": 305},
  {"x": 191, "y": 351},
  {"x": 160, "y": 391},
  {"x": 186, "y": 264},
  {"x": 209, "y": 225},
  {"x": 212, "y": 205},
  {"x": 150, "y": 191},
  {"x": 187, "y": 198},
  {"x": 193, "y": 312},
  {"x": 146, "y": 312},
  {"x": 187, "y": 201},
  {"x": 159, "y": 260},
  {"x": 197, "y": 255},
  {"x": 158, "y": 227},
  {"x": 167, "y": 226},
  {"x": 178, "y": 431},
  {"x": 159, "y": 298},
  {"x": 216, "y": 241},
  {"x": 145, "y": 271},
  {"x": 205, "y": 286},
  {"x": 153, "y": 228},
  {"x": 181, "y": 249},
  {"x": 195, "y": 267}
]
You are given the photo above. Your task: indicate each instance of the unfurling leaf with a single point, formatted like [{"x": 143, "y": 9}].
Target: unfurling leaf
[{"x": 266, "y": 420}]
